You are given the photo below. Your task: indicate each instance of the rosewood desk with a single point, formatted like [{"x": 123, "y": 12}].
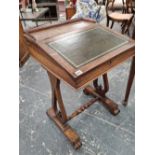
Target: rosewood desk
[{"x": 78, "y": 52}]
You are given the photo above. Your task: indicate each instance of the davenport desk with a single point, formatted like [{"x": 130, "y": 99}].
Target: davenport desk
[{"x": 78, "y": 52}]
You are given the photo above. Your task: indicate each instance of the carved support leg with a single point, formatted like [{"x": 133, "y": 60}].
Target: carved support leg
[
  {"x": 96, "y": 86},
  {"x": 60, "y": 117},
  {"x": 99, "y": 92},
  {"x": 106, "y": 83},
  {"x": 99, "y": 88},
  {"x": 56, "y": 97},
  {"x": 105, "y": 101},
  {"x": 130, "y": 81}
]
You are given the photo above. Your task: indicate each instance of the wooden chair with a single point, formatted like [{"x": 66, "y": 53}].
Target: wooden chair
[
  {"x": 118, "y": 16},
  {"x": 128, "y": 6},
  {"x": 119, "y": 4},
  {"x": 23, "y": 50}
]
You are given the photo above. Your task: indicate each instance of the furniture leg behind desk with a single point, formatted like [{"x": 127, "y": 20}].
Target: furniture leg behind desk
[{"x": 130, "y": 81}]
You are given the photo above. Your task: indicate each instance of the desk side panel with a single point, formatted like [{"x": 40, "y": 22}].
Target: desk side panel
[{"x": 51, "y": 65}]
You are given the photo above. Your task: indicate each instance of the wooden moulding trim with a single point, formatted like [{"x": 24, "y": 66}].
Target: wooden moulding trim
[
  {"x": 115, "y": 32},
  {"x": 30, "y": 38},
  {"x": 61, "y": 34},
  {"x": 23, "y": 59},
  {"x": 88, "y": 20},
  {"x": 103, "y": 68},
  {"x": 59, "y": 24},
  {"x": 71, "y": 32}
]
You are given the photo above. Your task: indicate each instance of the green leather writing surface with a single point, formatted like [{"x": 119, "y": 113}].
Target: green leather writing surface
[{"x": 81, "y": 48}]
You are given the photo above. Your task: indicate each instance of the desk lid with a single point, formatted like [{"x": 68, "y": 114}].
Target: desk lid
[{"x": 81, "y": 48}]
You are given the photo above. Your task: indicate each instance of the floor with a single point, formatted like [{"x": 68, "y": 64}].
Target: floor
[{"x": 100, "y": 132}]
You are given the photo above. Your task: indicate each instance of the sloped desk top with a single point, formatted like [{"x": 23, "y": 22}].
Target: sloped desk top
[
  {"x": 83, "y": 47},
  {"x": 79, "y": 51}
]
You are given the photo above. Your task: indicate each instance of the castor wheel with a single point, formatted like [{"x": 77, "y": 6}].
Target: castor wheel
[
  {"x": 85, "y": 91},
  {"x": 77, "y": 145}
]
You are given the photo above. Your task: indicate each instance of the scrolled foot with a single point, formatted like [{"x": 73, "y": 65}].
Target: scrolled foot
[
  {"x": 73, "y": 137},
  {"x": 115, "y": 111},
  {"x": 77, "y": 145}
]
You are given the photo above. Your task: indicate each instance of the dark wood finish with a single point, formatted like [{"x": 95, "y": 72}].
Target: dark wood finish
[
  {"x": 53, "y": 8},
  {"x": 23, "y": 50},
  {"x": 129, "y": 6},
  {"x": 82, "y": 108},
  {"x": 59, "y": 69},
  {"x": 130, "y": 81},
  {"x": 70, "y": 11},
  {"x": 131, "y": 76},
  {"x": 60, "y": 117},
  {"x": 105, "y": 101},
  {"x": 114, "y": 16},
  {"x": 106, "y": 83},
  {"x": 100, "y": 92}
]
